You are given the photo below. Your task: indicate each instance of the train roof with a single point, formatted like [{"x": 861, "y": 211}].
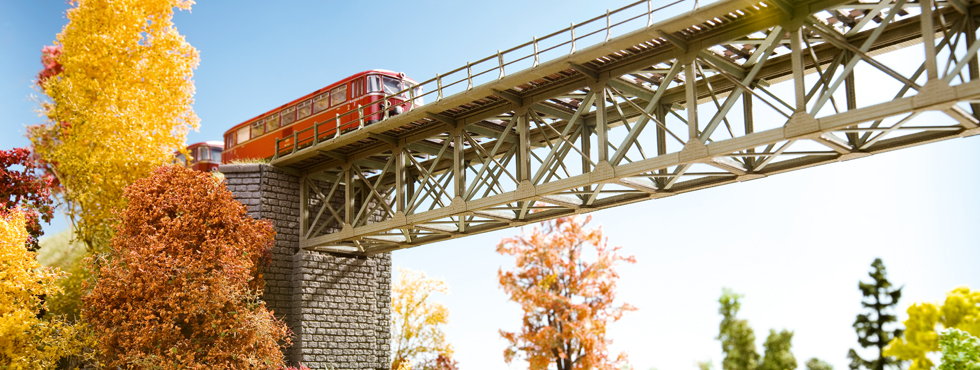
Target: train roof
[
  {"x": 210, "y": 143},
  {"x": 321, "y": 90},
  {"x": 216, "y": 143}
]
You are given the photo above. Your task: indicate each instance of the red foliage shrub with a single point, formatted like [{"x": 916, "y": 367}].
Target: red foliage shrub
[
  {"x": 179, "y": 287},
  {"x": 28, "y": 189},
  {"x": 49, "y": 58}
]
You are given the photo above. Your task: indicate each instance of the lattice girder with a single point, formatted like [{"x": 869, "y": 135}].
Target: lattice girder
[{"x": 730, "y": 92}]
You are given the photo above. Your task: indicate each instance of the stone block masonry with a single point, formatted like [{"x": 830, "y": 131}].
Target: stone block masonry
[{"x": 338, "y": 307}]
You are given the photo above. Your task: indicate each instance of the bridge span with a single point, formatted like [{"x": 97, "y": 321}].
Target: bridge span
[{"x": 627, "y": 107}]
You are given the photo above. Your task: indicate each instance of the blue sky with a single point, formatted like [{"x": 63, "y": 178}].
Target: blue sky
[{"x": 795, "y": 244}]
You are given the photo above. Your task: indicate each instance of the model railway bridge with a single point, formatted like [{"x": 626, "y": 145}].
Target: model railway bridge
[{"x": 630, "y": 106}]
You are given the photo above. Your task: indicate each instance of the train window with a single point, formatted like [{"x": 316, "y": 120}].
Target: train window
[
  {"x": 229, "y": 141},
  {"x": 272, "y": 122},
  {"x": 374, "y": 83},
  {"x": 288, "y": 116},
  {"x": 242, "y": 135},
  {"x": 216, "y": 155},
  {"x": 393, "y": 85},
  {"x": 258, "y": 128},
  {"x": 358, "y": 88},
  {"x": 321, "y": 102},
  {"x": 203, "y": 154},
  {"x": 179, "y": 159},
  {"x": 303, "y": 110},
  {"x": 338, "y": 95}
]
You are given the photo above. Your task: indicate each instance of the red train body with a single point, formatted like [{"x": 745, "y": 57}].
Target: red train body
[
  {"x": 256, "y": 138},
  {"x": 205, "y": 156}
]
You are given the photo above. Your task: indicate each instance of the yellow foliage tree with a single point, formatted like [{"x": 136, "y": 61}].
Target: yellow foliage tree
[
  {"x": 28, "y": 342},
  {"x": 120, "y": 104},
  {"x": 960, "y": 311},
  {"x": 417, "y": 336}
]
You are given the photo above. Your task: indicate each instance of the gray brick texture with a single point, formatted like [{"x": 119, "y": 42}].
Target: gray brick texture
[{"x": 338, "y": 307}]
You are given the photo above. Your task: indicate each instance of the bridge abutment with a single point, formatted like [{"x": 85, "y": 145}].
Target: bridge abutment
[{"x": 338, "y": 307}]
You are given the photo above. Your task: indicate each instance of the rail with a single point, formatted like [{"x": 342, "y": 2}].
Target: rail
[{"x": 304, "y": 138}]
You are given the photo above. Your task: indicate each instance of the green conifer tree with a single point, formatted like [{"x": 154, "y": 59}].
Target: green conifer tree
[
  {"x": 738, "y": 341},
  {"x": 736, "y": 336},
  {"x": 779, "y": 354},
  {"x": 879, "y": 299},
  {"x": 817, "y": 364}
]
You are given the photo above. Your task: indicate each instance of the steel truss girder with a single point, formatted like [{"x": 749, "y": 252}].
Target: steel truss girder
[{"x": 619, "y": 131}]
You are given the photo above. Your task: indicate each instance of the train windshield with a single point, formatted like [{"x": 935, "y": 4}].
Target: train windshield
[
  {"x": 202, "y": 154},
  {"x": 393, "y": 85},
  {"x": 373, "y": 83},
  {"x": 216, "y": 154}
]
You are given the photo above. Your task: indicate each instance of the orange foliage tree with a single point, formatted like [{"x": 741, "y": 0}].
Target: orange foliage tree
[
  {"x": 567, "y": 300},
  {"x": 179, "y": 287}
]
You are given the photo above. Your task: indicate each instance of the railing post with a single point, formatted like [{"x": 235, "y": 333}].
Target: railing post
[
  {"x": 649, "y": 13},
  {"x": 360, "y": 117},
  {"x": 573, "y": 39},
  {"x": 439, "y": 86},
  {"x": 336, "y": 129},
  {"x": 537, "y": 59},
  {"x": 411, "y": 98},
  {"x": 296, "y": 143},
  {"x": 385, "y": 106},
  {"x": 608, "y": 27},
  {"x": 469, "y": 76},
  {"x": 316, "y": 133},
  {"x": 276, "y": 156},
  {"x": 500, "y": 62}
]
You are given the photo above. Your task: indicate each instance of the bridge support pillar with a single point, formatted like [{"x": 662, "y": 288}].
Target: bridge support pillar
[{"x": 337, "y": 307}]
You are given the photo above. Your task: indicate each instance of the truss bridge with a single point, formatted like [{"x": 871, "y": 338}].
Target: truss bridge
[{"x": 631, "y": 106}]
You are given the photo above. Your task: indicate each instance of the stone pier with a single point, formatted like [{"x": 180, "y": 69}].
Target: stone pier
[{"x": 338, "y": 307}]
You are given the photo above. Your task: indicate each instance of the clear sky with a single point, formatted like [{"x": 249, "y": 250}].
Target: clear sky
[{"x": 795, "y": 244}]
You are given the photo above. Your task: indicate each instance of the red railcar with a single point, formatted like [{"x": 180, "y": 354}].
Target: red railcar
[
  {"x": 362, "y": 94},
  {"x": 205, "y": 156}
]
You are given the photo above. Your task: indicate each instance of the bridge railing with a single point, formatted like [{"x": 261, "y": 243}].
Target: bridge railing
[{"x": 585, "y": 34}]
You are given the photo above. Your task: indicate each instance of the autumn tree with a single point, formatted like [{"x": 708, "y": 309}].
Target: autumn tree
[
  {"x": 119, "y": 85},
  {"x": 961, "y": 311},
  {"x": 417, "y": 337},
  {"x": 27, "y": 341},
  {"x": 879, "y": 299},
  {"x": 180, "y": 285},
  {"x": 567, "y": 300},
  {"x": 23, "y": 185},
  {"x": 738, "y": 341}
]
